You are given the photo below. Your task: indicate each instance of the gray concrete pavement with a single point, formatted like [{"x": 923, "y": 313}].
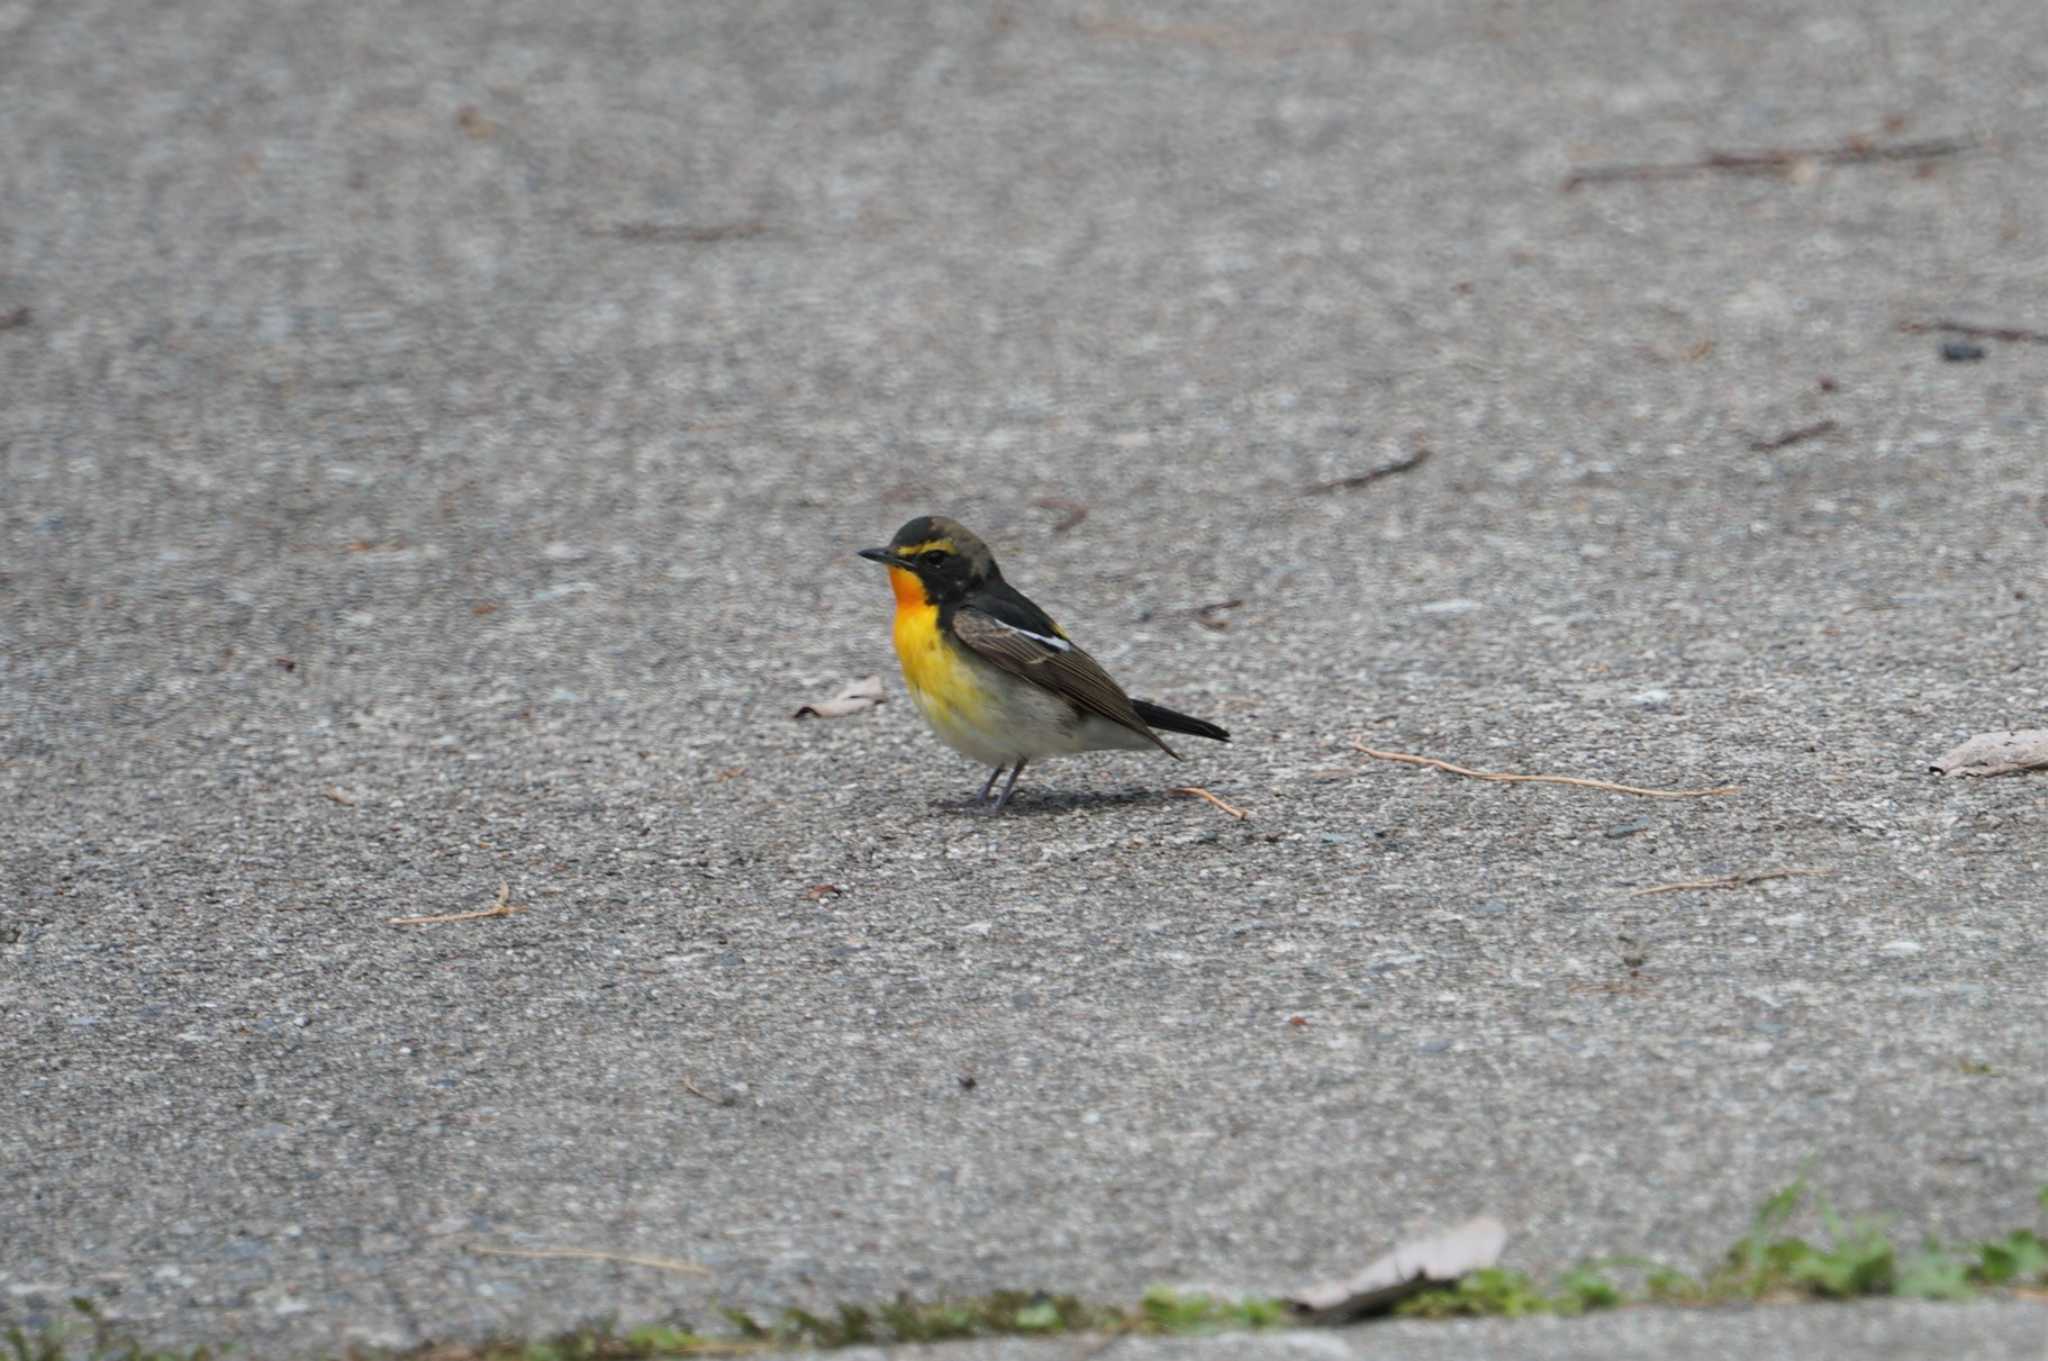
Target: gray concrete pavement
[{"x": 435, "y": 439}]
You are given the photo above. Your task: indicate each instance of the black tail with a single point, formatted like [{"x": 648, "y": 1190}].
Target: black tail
[{"x": 1159, "y": 717}]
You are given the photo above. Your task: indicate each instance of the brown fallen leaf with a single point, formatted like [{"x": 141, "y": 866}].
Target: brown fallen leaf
[
  {"x": 1437, "y": 1259},
  {"x": 1997, "y": 753},
  {"x": 853, "y": 697}
]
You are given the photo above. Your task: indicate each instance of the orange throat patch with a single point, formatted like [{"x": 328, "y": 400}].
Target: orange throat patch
[
  {"x": 909, "y": 590},
  {"x": 917, "y": 631},
  {"x": 940, "y": 682}
]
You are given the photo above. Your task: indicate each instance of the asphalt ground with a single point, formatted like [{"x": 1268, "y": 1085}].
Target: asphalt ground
[{"x": 435, "y": 441}]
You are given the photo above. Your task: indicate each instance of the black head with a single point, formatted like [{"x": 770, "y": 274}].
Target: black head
[{"x": 944, "y": 556}]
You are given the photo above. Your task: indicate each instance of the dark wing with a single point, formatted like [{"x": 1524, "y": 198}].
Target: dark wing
[
  {"x": 1048, "y": 660},
  {"x": 1002, "y": 601}
]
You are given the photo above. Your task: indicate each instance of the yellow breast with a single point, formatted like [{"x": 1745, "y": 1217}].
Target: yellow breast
[{"x": 940, "y": 679}]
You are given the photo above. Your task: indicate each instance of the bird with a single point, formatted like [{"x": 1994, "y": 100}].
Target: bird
[{"x": 997, "y": 680}]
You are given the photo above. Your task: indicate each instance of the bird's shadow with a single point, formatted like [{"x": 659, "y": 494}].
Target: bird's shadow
[{"x": 1034, "y": 804}]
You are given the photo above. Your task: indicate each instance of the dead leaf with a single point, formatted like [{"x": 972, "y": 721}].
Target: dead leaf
[
  {"x": 1437, "y": 1259},
  {"x": 1997, "y": 753},
  {"x": 853, "y": 697}
]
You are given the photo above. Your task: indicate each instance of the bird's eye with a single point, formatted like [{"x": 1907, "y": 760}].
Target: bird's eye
[{"x": 935, "y": 558}]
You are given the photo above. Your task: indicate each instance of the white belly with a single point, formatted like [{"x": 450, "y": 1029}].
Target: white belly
[{"x": 1019, "y": 721}]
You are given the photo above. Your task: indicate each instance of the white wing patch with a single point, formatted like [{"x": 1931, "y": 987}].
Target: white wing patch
[{"x": 1056, "y": 644}]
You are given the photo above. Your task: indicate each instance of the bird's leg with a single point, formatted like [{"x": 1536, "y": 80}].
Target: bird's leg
[
  {"x": 1014, "y": 773},
  {"x": 988, "y": 790}
]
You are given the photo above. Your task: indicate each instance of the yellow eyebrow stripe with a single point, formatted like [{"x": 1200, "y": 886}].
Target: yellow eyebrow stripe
[{"x": 912, "y": 550}]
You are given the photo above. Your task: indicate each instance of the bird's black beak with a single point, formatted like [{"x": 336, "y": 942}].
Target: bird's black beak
[{"x": 883, "y": 556}]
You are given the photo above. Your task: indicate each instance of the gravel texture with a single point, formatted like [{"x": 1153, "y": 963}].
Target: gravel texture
[{"x": 435, "y": 439}]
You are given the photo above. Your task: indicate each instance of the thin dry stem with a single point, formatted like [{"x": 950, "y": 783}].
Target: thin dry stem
[
  {"x": 1731, "y": 881},
  {"x": 1197, "y": 792},
  {"x": 1372, "y": 475},
  {"x": 1792, "y": 437},
  {"x": 1775, "y": 161},
  {"x": 2018, "y": 335},
  {"x": 593, "y": 1255},
  {"x": 1610, "y": 787},
  {"x": 503, "y": 907}
]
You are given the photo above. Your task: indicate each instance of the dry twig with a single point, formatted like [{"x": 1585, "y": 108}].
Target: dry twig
[
  {"x": 1633, "y": 987},
  {"x": 503, "y": 907},
  {"x": 1399, "y": 465},
  {"x": 2012, "y": 334},
  {"x": 592, "y": 1255},
  {"x": 694, "y": 1090},
  {"x": 1197, "y": 792},
  {"x": 1792, "y": 437},
  {"x": 1777, "y": 161},
  {"x": 1731, "y": 881},
  {"x": 1611, "y": 788},
  {"x": 335, "y": 793},
  {"x": 1218, "y": 37},
  {"x": 679, "y": 233}
]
